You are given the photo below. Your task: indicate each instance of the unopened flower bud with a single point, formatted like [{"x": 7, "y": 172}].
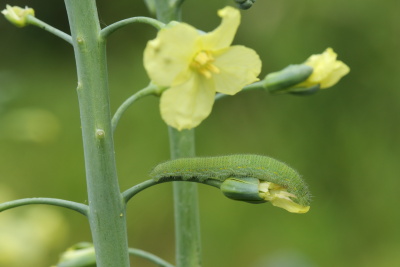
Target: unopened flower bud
[
  {"x": 318, "y": 72},
  {"x": 283, "y": 81},
  {"x": 327, "y": 70},
  {"x": 17, "y": 15},
  {"x": 243, "y": 189},
  {"x": 245, "y": 4},
  {"x": 79, "y": 255}
]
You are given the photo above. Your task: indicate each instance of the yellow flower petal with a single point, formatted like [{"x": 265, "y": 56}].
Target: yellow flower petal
[
  {"x": 186, "y": 105},
  {"x": 239, "y": 66},
  {"x": 223, "y": 35},
  {"x": 170, "y": 53},
  {"x": 289, "y": 205},
  {"x": 338, "y": 71}
]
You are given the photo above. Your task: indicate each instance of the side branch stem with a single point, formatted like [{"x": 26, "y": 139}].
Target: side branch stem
[
  {"x": 43, "y": 25},
  {"x": 151, "y": 89},
  {"x": 253, "y": 86},
  {"x": 107, "y": 31},
  {"x": 81, "y": 208},
  {"x": 149, "y": 256},
  {"x": 131, "y": 192}
]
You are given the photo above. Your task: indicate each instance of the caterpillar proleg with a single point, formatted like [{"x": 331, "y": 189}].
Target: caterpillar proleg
[{"x": 267, "y": 170}]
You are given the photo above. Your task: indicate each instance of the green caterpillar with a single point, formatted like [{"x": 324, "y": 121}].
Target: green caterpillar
[{"x": 235, "y": 166}]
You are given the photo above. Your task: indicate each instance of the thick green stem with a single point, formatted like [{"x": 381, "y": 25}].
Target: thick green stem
[
  {"x": 187, "y": 222},
  {"x": 106, "y": 206}
]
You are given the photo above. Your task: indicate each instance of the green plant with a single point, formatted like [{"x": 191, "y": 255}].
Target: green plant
[{"x": 189, "y": 70}]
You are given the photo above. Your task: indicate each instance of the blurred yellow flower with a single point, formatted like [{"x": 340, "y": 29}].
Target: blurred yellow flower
[
  {"x": 17, "y": 15},
  {"x": 28, "y": 235},
  {"x": 30, "y": 125},
  {"x": 327, "y": 70},
  {"x": 79, "y": 255},
  {"x": 196, "y": 65},
  {"x": 279, "y": 197}
]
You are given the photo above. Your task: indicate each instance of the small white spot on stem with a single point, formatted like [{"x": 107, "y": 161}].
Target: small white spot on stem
[{"x": 100, "y": 133}]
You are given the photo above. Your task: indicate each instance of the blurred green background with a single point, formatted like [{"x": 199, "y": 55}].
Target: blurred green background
[{"x": 344, "y": 141}]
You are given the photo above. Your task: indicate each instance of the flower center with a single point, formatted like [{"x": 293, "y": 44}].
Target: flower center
[{"x": 203, "y": 63}]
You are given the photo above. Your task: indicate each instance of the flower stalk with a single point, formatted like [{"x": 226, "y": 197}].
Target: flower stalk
[
  {"x": 187, "y": 219},
  {"x": 186, "y": 207}
]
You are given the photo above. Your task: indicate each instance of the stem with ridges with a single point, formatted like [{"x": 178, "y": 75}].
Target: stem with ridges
[{"x": 106, "y": 206}]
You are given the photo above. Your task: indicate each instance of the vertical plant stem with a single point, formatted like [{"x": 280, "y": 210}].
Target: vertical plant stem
[
  {"x": 106, "y": 207},
  {"x": 187, "y": 222}
]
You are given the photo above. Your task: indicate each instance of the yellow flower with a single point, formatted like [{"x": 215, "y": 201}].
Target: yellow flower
[
  {"x": 196, "y": 65},
  {"x": 279, "y": 197},
  {"x": 327, "y": 70},
  {"x": 17, "y": 15}
]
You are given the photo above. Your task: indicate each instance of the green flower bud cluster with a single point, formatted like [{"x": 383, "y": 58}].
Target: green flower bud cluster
[{"x": 245, "y": 4}]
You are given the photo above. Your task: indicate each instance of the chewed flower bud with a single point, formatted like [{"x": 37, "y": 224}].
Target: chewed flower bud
[
  {"x": 17, "y": 15},
  {"x": 279, "y": 197},
  {"x": 255, "y": 191}
]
